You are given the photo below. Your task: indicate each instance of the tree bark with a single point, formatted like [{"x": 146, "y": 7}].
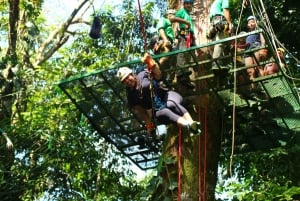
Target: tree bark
[{"x": 200, "y": 155}]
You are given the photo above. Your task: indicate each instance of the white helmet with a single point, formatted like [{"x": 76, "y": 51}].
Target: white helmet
[
  {"x": 251, "y": 18},
  {"x": 123, "y": 73}
]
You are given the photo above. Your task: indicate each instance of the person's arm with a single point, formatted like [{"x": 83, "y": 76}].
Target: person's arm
[
  {"x": 245, "y": 3},
  {"x": 226, "y": 13},
  {"x": 9, "y": 144},
  {"x": 142, "y": 113},
  {"x": 146, "y": 116},
  {"x": 262, "y": 40},
  {"x": 162, "y": 34},
  {"x": 152, "y": 66},
  {"x": 181, "y": 21},
  {"x": 164, "y": 37}
]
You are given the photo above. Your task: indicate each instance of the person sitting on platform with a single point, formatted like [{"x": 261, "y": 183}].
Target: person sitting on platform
[
  {"x": 255, "y": 41},
  {"x": 165, "y": 42},
  {"x": 146, "y": 98},
  {"x": 186, "y": 39},
  {"x": 272, "y": 67}
]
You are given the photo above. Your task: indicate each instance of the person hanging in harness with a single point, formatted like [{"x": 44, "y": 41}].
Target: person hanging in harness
[
  {"x": 186, "y": 39},
  {"x": 148, "y": 100},
  {"x": 220, "y": 28}
]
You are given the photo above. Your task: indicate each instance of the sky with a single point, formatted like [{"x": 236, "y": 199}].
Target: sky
[{"x": 59, "y": 10}]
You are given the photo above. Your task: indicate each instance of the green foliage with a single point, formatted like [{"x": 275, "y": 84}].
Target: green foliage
[
  {"x": 263, "y": 176},
  {"x": 57, "y": 155}
]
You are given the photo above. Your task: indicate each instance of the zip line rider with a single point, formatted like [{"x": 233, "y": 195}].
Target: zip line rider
[{"x": 147, "y": 98}]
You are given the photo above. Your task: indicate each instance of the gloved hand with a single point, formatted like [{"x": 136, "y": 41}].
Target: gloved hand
[
  {"x": 147, "y": 59},
  {"x": 151, "y": 129}
]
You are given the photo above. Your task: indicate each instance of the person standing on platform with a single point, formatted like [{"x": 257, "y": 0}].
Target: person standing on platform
[
  {"x": 186, "y": 39},
  {"x": 220, "y": 27}
]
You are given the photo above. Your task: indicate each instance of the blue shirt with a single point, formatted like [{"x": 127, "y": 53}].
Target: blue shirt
[{"x": 253, "y": 40}]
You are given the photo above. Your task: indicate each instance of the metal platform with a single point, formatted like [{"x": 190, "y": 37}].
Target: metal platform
[{"x": 101, "y": 98}]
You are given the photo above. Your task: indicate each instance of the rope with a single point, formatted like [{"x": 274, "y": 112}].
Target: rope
[
  {"x": 234, "y": 94},
  {"x": 261, "y": 12},
  {"x": 202, "y": 151},
  {"x": 205, "y": 151},
  {"x": 263, "y": 15},
  {"x": 142, "y": 26},
  {"x": 200, "y": 189},
  {"x": 202, "y": 177},
  {"x": 179, "y": 162}
]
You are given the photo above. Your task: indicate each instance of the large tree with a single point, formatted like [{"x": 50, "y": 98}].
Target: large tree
[{"x": 57, "y": 153}]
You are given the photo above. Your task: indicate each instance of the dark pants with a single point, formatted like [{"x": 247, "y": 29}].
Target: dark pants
[{"x": 173, "y": 109}]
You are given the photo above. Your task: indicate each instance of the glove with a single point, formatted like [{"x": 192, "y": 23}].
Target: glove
[
  {"x": 147, "y": 59},
  {"x": 151, "y": 129}
]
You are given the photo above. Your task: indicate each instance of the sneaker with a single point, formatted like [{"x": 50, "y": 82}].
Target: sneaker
[{"x": 195, "y": 128}]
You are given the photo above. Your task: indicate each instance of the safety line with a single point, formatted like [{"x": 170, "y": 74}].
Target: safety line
[{"x": 142, "y": 26}]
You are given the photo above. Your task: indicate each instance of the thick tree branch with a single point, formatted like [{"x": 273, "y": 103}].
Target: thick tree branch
[
  {"x": 13, "y": 21},
  {"x": 57, "y": 38}
]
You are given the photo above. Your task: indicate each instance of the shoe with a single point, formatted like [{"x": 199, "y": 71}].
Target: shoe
[{"x": 195, "y": 128}]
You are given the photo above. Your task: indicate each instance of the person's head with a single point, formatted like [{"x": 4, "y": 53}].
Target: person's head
[
  {"x": 243, "y": 39},
  {"x": 251, "y": 23},
  {"x": 127, "y": 77},
  {"x": 153, "y": 43},
  {"x": 188, "y": 5}
]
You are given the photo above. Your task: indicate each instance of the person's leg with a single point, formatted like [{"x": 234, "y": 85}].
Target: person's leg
[
  {"x": 218, "y": 48},
  {"x": 259, "y": 56},
  {"x": 183, "y": 74},
  {"x": 167, "y": 116},
  {"x": 174, "y": 103},
  {"x": 250, "y": 70}
]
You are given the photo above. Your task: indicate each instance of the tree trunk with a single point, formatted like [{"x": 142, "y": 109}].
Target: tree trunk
[{"x": 200, "y": 155}]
